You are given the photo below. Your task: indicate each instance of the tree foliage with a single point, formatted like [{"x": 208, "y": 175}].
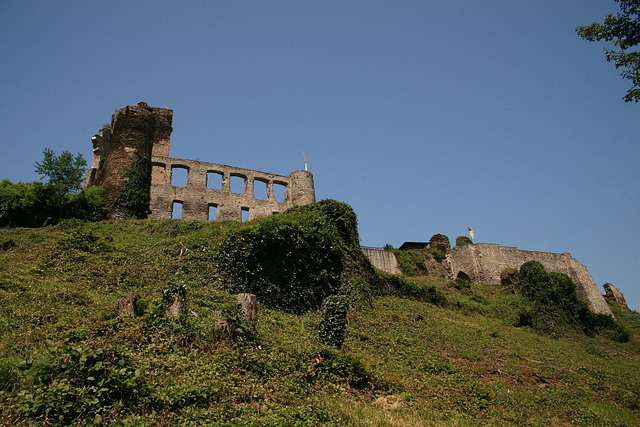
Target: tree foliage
[
  {"x": 35, "y": 204},
  {"x": 624, "y": 31},
  {"x": 65, "y": 172}
]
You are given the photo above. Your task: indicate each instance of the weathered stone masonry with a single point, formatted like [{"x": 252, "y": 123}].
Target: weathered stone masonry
[
  {"x": 147, "y": 130},
  {"x": 483, "y": 262},
  {"x": 196, "y": 197}
]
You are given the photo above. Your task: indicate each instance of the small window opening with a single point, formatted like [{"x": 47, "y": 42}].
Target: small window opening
[
  {"x": 245, "y": 214},
  {"x": 214, "y": 180},
  {"x": 179, "y": 176},
  {"x": 279, "y": 191},
  {"x": 260, "y": 190},
  {"x": 213, "y": 212},
  {"x": 237, "y": 184},
  {"x": 176, "y": 211}
]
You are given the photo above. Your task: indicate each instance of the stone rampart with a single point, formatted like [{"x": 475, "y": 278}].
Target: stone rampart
[
  {"x": 483, "y": 263},
  {"x": 382, "y": 260}
]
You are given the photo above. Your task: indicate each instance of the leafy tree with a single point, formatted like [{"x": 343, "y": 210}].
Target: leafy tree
[
  {"x": 65, "y": 172},
  {"x": 624, "y": 30}
]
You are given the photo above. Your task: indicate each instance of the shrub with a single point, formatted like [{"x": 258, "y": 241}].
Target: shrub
[
  {"x": 343, "y": 368},
  {"x": 411, "y": 263},
  {"x": 333, "y": 320},
  {"x": 552, "y": 305},
  {"x": 294, "y": 260},
  {"x": 509, "y": 278},
  {"x": 463, "y": 240},
  {"x": 76, "y": 381},
  {"x": 36, "y": 204},
  {"x": 392, "y": 284},
  {"x": 437, "y": 255}
]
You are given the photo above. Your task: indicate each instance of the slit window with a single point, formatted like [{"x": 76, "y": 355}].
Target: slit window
[
  {"x": 214, "y": 180},
  {"x": 179, "y": 176},
  {"x": 279, "y": 191},
  {"x": 213, "y": 212},
  {"x": 237, "y": 184},
  {"x": 260, "y": 190},
  {"x": 245, "y": 214},
  {"x": 176, "y": 210}
]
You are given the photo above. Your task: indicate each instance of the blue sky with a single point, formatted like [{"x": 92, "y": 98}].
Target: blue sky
[{"x": 425, "y": 116}]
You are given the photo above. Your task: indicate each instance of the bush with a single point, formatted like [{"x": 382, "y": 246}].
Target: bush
[
  {"x": 74, "y": 382},
  {"x": 552, "y": 305},
  {"x": 36, "y": 204},
  {"x": 411, "y": 263},
  {"x": 395, "y": 285},
  {"x": 437, "y": 255},
  {"x": 463, "y": 240},
  {"x": 509, "y": 278},
  {"x": 333, "y": 320},
  {"x": 294, "y": 260}
]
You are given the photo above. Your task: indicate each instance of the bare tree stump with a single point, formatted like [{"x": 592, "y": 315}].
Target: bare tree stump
[
  {"x": 223, "y": 331},
  {"x": 248, "y": 302},
  {"x": 175, "y": 300},
  {"x": 127, "y": 305}
]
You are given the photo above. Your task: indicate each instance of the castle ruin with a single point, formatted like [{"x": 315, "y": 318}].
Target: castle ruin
[
  {"x": 147, "y": 130},
  {"x": 482, "y": 263}
]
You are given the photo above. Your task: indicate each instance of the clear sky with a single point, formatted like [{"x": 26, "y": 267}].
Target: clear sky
[{"x": 425, "y": 116}]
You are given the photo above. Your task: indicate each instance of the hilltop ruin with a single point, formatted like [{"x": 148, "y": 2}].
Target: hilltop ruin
[
  {"x": 147, "y": 131},
  {"x": 482, "y": 263}
]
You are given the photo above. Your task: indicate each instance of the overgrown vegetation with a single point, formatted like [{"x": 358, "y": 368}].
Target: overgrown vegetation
[
  {"x": 411, "y": 263},
  {"x": 36, "y": 204},
  {"x": 415, "y": 351},
  {"x": 134, "y": 196},
  {"x": 550, "y": 303},
  {"x": 463, "y": 241},
  {"x": 333, "y": 320}
]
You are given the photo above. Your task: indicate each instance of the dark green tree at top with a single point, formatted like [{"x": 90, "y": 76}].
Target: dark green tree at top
[
  {"x": 624, "y": 31},
  {"x": 65, "y": 172}
]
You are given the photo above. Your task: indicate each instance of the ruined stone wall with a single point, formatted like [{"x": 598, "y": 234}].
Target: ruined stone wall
[
  {"x": 382, "y": 260},
  {"x": 483, "y": 263},
  {"x": 147, "y": 131},
  {"x": 134, "y": 129},
  {"x": 196, "y": 197}
]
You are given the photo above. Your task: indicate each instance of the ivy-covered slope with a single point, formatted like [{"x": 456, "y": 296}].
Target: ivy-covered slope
[{"x": 419, "y": 351}]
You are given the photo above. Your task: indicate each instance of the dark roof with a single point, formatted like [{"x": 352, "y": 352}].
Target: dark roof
[{"x": 412, "y": 246}]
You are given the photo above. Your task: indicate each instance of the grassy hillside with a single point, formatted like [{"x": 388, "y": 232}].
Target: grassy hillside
[{"x": 67, "y": 358}]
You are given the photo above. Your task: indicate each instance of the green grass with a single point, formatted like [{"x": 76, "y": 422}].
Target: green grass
[{"x": 404, "y": 362}]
